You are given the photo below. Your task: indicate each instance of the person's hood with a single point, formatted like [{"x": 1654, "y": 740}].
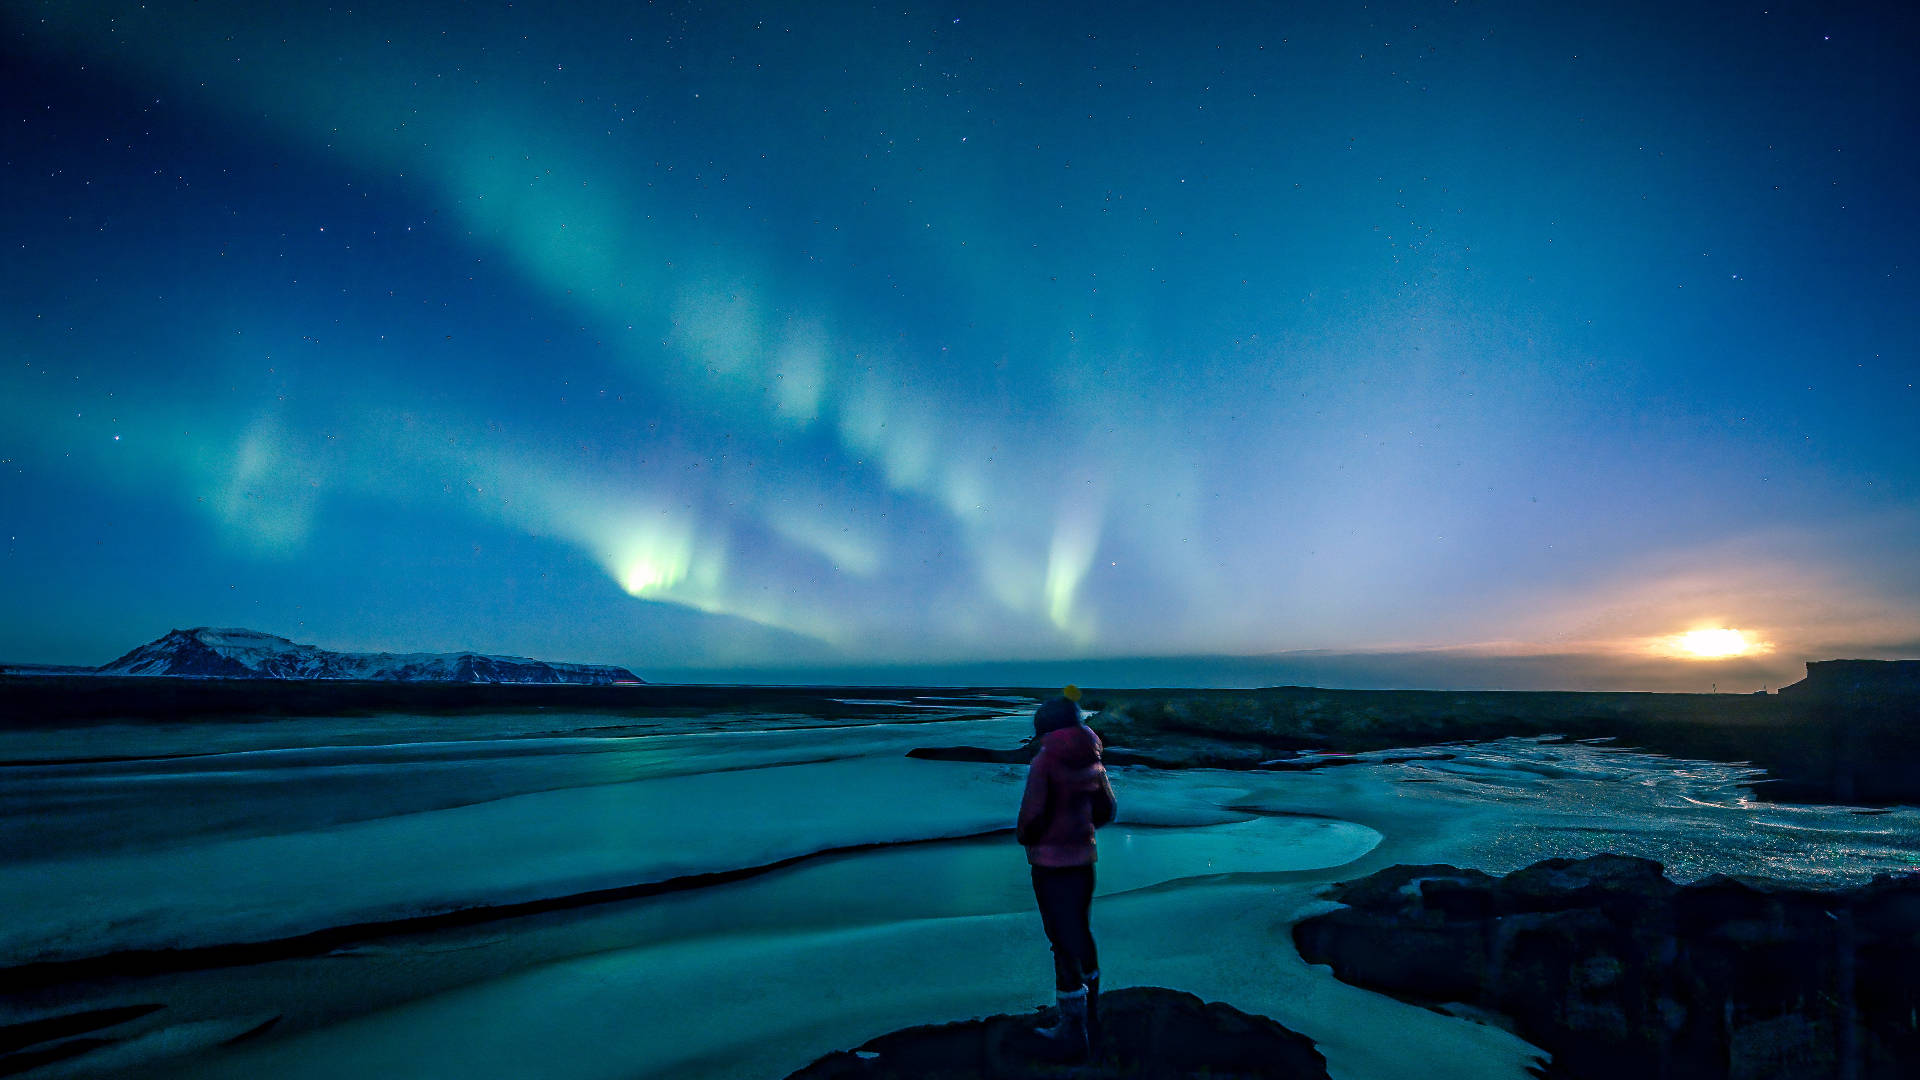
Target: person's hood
[
  {"x": 1073, "y": 747},
  {"x": 1055, "y": 714}
]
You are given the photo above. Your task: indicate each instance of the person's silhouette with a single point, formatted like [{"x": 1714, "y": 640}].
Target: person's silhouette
[{"x": 1067, "y": 797}]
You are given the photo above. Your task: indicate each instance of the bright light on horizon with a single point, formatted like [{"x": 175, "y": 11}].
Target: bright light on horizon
[{"x": 1717, "y": 643}]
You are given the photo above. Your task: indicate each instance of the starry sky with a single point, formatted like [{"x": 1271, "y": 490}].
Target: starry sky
[{"x": 1371, "y": 344}]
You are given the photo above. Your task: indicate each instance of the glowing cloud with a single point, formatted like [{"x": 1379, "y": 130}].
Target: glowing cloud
[
  {"x": 1075, "y": 539},
  {"x": 1711, "y": 643},
  {"x": 651, "y": 558},
  {"x": 719, "y": 328},
  {"x": 799, "y": 377},
  {"x": 268, "y": 499},
  {"x": 838, "y": 541}
]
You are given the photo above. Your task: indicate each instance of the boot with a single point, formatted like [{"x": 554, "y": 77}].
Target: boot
[
  {"x": 1093, "y": 1013},
  {"x": 1067, "y": 1039}
]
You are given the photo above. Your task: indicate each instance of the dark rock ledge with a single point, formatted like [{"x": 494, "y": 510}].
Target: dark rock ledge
[
  {"x": 1151, "y": 1033},
  {"x": 1188, "y": 753},
  {"x": 1618, "y": 972}
]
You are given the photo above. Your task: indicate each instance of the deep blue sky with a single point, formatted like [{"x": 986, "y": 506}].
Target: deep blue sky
[{"x": 1462, "y": 343}]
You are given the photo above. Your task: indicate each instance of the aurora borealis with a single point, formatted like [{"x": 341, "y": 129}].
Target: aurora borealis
[{"x": 749, "y": 338}]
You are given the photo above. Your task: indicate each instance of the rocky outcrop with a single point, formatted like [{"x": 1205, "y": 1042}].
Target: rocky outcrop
[
  {"x": 1149, "y": 1032},
  {"x": 1890, "y": 682},
  {"x": 1619, "y": 972},
  {"x": 1865, "y": 718}
]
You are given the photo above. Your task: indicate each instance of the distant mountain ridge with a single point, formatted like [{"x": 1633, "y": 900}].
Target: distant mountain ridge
[{"x": 207, "y": 652}]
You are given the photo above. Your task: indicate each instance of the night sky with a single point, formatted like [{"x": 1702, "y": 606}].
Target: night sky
[{"x": 1439, "y": 344}]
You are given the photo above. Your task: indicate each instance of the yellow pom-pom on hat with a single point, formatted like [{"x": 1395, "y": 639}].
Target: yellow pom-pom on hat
[{"x": 1070, "y": 692}]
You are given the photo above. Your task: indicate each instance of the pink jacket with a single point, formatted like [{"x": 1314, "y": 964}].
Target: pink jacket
[{"x": 1067, "y": 798}]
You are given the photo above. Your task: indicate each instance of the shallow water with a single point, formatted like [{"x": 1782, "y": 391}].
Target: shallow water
[{"x": 919, "y": 911}]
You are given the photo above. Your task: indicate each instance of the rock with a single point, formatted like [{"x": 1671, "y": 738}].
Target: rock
[
  {"x": 1019, "y": 755},
  {"x": 1150, "y": 1033},
  {"x": 1405, "y": 885},
  {"x": 1617, "y": 971},
  {"x": 1606, "y": 881},
  {"x": 1871, "y": 680}
]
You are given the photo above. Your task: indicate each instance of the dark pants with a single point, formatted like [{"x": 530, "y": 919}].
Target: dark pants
[{"x": 1066, "y": 896}]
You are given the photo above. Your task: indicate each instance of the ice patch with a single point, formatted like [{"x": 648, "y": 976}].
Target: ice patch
[
  {"x": 524, "y": 847},
  {"x": 761, "y": 1005},
  {"x": 153, "y": 1048}
]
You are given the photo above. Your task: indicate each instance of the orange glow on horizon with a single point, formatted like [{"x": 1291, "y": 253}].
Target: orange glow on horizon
[{"x": 1713, "y": 643}]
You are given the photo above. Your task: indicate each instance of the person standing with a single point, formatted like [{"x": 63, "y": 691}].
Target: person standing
[{"x": 1067, "y": 797}]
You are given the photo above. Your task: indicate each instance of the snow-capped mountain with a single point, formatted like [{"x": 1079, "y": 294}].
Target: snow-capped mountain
[{"x": 211, "y": 653}]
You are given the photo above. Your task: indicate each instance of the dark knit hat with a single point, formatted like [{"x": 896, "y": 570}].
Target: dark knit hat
[{"x": 1054, "y": 715}]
